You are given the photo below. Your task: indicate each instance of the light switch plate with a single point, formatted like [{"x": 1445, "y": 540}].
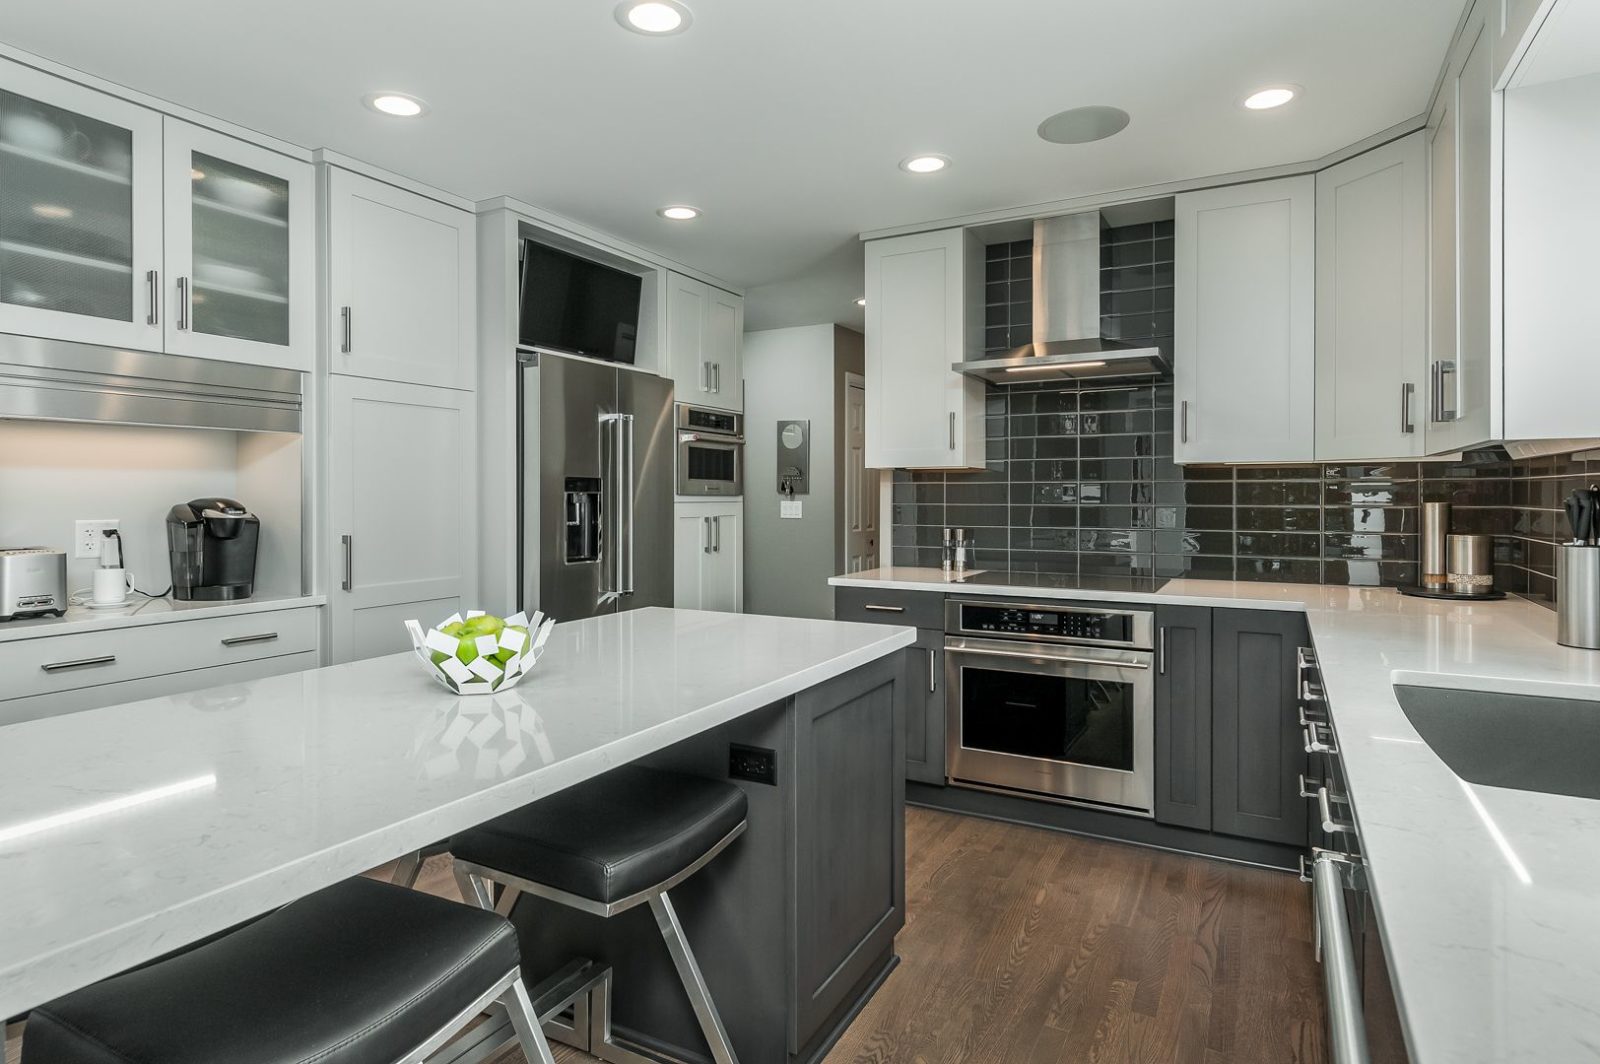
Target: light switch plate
[{"x": 789, "y": 508}]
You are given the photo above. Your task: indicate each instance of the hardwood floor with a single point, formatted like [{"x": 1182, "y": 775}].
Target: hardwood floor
[{"x": 1024, "y": 945}]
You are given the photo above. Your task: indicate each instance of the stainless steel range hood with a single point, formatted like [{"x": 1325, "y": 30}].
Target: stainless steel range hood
[
  {"x": 53, "y": 380},
  {"x": 1066, "y": 315}
]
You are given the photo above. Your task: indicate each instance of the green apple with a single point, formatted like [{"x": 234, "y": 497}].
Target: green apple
[{"x": 488, "y": 624}]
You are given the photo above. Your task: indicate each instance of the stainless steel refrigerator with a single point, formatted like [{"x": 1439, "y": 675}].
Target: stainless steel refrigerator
[{"x": 595, "y": 486}]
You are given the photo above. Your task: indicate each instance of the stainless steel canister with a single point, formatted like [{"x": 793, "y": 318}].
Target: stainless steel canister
[
  {"x": 1578, "y": 595},
  {"x": 1469, "y": 568},
  {"x": 1435, "y": 530}
]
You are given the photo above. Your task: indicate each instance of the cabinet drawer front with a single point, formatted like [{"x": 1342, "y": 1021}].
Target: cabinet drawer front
[
  {"x": 87, "y": 659},
  {"x": 914, "y": 609}
]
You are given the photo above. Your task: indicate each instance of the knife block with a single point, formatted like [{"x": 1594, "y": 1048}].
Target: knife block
[{"x": 1578, "y": 595}]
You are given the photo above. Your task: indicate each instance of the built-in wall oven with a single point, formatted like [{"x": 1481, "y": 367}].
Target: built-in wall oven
[
  {"x": 1052, "y": 701},
  {"x": 710, "y": 452}
]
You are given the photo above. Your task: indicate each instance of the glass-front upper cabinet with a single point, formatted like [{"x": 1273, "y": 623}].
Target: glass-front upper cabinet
[
  {"x": 239, "y": 250},
  {"x": 80, "y": 213}
]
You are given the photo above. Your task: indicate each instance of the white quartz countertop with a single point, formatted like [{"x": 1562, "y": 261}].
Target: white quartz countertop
[
  {"x": 1488, "y": 899},
  {"x": 133, "y": 830},
  {"x": 141, "y": 611}
]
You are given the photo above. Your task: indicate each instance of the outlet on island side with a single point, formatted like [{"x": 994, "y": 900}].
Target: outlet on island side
[{"x": 754, "y": 763}]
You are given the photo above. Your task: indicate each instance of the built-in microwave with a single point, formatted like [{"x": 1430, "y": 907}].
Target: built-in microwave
[{"x": 710, "y": 452}]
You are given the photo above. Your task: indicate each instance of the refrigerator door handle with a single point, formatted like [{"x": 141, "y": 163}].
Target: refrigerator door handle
[
  {"x": 612, "y": 513},
  {"x": 625, "y": 568}
]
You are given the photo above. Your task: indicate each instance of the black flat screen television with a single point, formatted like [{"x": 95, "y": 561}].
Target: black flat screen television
[{"x": 570, "y": 304}]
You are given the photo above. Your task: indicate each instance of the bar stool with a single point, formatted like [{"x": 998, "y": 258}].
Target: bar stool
[
  {"x": 603, "y": 847},
  {"x": 359, "y": 973}
]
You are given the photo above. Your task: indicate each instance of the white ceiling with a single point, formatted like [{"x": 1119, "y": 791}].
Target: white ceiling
[{"x": 784, "y": 122}]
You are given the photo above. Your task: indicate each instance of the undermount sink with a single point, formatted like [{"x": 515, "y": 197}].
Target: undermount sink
[{"x": 1525, "y": 742}]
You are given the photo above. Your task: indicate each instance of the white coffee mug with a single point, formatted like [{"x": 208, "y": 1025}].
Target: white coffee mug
[{"x": 111, "y": 586}]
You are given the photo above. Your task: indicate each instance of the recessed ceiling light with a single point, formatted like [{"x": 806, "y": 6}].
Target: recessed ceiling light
[
  {"x": 679, "y": 212},
  {"x": 1270, "y": 97},
  {"x": 861, "y": 301},
  {"x": 1081, "y": 125},
  {"x": 924, "y": 164},
  {"x": 658, "y": 18},
  {"x": 397, "y": 104}
]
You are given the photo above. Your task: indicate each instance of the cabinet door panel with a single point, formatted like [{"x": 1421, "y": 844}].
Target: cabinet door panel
[
  {"x": 80, "y": 213},
  {"x": 724, "y": 571},
  {"x": 1372, "y": 329},
  {"x": 403, "y": 274},
  {"x": 1442, "y": 275},
  {"x": 691, "y": 545},
  {"x": 1183, "y": 716},
  {"x": 688, "y": 314},
  {"x": 240, "y": 254},
  {"x": 1244, "y": 313},
  {"x": 724, "y": 337},
  {"x": 1257, "y": 747},
  {"x": 925, "y": 712},
  {"x": 397, "y": 454}
]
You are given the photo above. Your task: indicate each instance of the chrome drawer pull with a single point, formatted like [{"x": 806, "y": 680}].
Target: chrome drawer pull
[
  {"x": 241, "y": 640},
  {"x": 1314, "y": 744},
  {"x": 1312, "y": 691},
  {"x": 1305, "y": 658},
  {"x": 1325, "y": 810},
  {"x": 81, "y": 663},
  {"x": 884, "y": 609},
  {"x": 1309, "y": 716},
  {"x": 1309, "y": 788}
]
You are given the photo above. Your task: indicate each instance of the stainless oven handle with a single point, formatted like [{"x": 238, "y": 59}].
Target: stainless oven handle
[
  {"x": 1346, "y": 1024},
  {"x": 1048, "y": 655},
  {"x": 710, "y": 437}
]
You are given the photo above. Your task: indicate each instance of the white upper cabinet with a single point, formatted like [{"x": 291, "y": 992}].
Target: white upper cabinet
[
  {"x": 80, "y": 213},
  {"x": 402, "y": 273},
  {"x": 240, "y": 250},
  {"x": 1372, "y": 307},
  {"x": 705, "y": 332},
  {"x": 924, "y": 313},
  {"x": 1460, "y": 342},
  {"x": 1244, "y": 320}
]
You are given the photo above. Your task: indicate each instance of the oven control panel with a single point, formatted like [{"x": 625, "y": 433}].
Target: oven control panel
[{"x": 1065, "y": 624}]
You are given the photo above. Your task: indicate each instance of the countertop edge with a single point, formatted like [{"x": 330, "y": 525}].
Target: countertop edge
[{"x": 79, "y": 619}]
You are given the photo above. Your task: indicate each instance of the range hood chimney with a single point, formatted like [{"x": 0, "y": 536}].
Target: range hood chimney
[{"x": 1066, "y": 315}]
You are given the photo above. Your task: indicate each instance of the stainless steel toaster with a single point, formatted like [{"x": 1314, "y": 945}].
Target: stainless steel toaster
[{"x": 33, "y": 581}]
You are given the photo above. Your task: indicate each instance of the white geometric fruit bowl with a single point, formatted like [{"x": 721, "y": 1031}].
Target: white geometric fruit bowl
[{"x": 480, "y": 653}]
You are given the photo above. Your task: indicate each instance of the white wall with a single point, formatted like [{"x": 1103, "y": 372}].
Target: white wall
[
  {"x": 791, "y": 374},
  {"x": 53, "y": 474}
]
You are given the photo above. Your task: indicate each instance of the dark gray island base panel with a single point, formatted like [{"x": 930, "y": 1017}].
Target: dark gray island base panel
[
  {"x": 1115, "y": 827},
  {"x": 794, "y": 923}
]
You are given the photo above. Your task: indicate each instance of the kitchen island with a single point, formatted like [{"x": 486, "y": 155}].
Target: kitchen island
[{"x": 131, "y": 831}]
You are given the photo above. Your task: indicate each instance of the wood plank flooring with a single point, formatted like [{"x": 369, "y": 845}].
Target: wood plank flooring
[{"x": 1026, "y": 946}]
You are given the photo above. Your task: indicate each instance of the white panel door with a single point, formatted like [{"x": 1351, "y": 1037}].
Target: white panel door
[
  {"x": 923, "y": 315},
  {"x": 403, "y": 275},
  {"x": 708, "y": 556},
  {"x": 1244, "y": 314},
  {"x": 240, "y": 250},
  {"x": 1372, "y": 303},
  {"x": 724, "y": 338},
  {"x": 688, "y": 316},
  {"x": 402, "y": 496},
  {"x": 80, "y": 213}
]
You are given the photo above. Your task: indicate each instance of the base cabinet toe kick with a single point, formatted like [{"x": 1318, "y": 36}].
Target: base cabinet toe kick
[{"x": 1363, "y": 1018}]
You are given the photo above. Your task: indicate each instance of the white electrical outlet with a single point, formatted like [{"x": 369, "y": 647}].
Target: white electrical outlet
[{"x": 89, "y": 536}]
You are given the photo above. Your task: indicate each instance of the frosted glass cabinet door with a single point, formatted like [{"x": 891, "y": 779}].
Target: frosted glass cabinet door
[
  {"x": 80, "y": 213},
  {"x": 239, "y": 250}
]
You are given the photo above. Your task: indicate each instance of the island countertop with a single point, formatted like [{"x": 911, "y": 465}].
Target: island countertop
[{"x": 130, "y": 831}]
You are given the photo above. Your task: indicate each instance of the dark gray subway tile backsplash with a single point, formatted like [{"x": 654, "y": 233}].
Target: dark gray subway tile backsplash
[{"x": 1099, "y": 493}]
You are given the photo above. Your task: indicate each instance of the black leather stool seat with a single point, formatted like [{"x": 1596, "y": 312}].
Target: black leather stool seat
[
  {"x": 610, "y": 837},
  {"x": 360, "y": 973}
]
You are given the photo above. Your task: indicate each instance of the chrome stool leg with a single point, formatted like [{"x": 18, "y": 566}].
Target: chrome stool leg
[
  {"x": 406, "y": 870},
  {"x": 705, "y": 1010},
  {"x": 526, "y": 1024}
]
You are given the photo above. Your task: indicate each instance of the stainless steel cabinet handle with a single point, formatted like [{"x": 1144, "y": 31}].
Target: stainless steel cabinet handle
[
  {"x": 1346, "y": 1024},
  {"x": 875, "y": 608},
  {"x": 1311, "y": 691},
  {"x": 933, "y": 672},
  {"x": 1325, "y": 811},
  {"x": 242, "y": 640},
  {"x": 346, "y": 337},
  {"x": 1305, "y": 658},
  {"x": 716, "y": 528},
  {"x": 1183, "y": 421},
  {"x": 1407, "y": 426},
  {"x": 1310, "y": 716},
  {"x": 1314, "y": 743},
  {"x": 1053, "y": 658},
  {"x": 183, "y": 303},
  {"x": 1161, "y": 650},
  {"x": 952, "y": 430},
  {"x": 716, "y": 377},
  {"x": 81, "y": 663},
  {"x": 705, "y": 535},
  {"x": 349, "y": 571},
  {"x": 705, "y": 377},
  {"x": 152, "y": 291},
  {"x": 1308, "y": 788},
  {"x": 1444, "y": 375}
]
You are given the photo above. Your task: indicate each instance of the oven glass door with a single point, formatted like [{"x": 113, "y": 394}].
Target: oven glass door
[
  {"x": 1066, "y": 722},
  {"x": 709, "y": 467}
]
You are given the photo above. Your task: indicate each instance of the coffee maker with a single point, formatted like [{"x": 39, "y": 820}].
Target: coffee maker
[{"x": 212, "y": 543}]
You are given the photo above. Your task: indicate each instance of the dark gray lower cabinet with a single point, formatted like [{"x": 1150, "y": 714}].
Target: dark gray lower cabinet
[
  {"x": 850, "y": 886},
  {"x": 925, "y": 712},
  {"x": 1258, "y": 749},
  {"x": 1183, "y": 716}
]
